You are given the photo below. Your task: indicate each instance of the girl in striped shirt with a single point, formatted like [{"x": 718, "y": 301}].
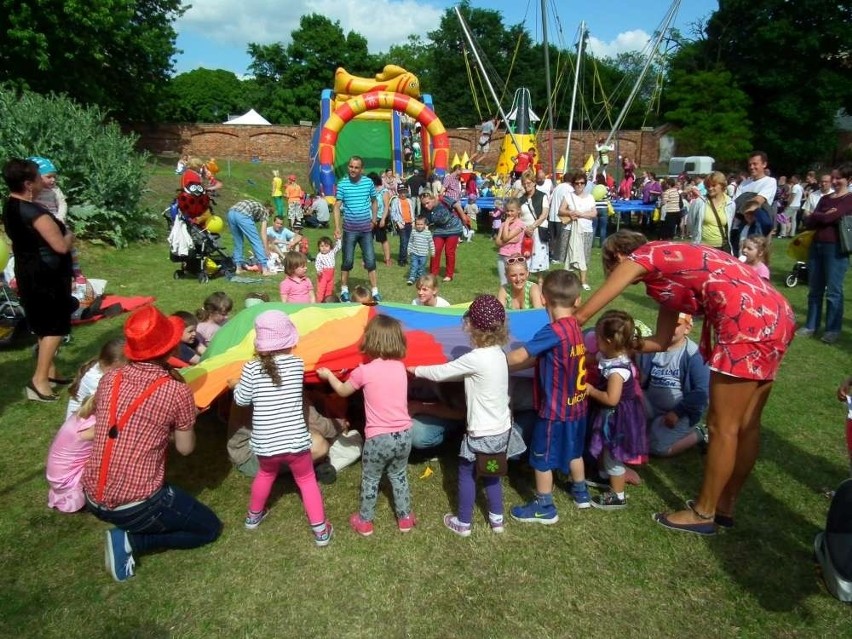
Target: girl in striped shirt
[
  {"x": 272, "y": 384},
  {"x": 324, "y": 263}
]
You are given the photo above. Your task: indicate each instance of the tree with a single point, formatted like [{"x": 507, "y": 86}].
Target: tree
[
  {"x": 113, "y": 53},
  {"x": 789, "y": 58},
  {"x": 711, "y": 113},
  {"x": 203, "y": 95},
  {"x": 290, "y": 79}
]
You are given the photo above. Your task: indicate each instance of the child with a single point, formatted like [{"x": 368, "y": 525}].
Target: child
[
  {"x": 212, "y": 316},
  {"x": 388, "y": 429},
  {"x": 618, "y": 425},
  {"x": 519, "y": 292},
  {"x": 187, "y": 352},
  {"x": 677, "y": 387},
  {"x": 489, "y": 420},
  {"x": 509, "y": 237},
  {"x": 756, "y": 254},
  {"x": 272, "y": 384},
  {"x": 85, "y": 383},
  {"x": 427, "y": 292},
  {"x": 297, "y": 287},
  {"x": 360, "y": 295},
  {"x": 496, "y": 218},
  {"x": 420, "y": 248},
  {"x": 294, "y": 194},
  {"x": 325, "y": 266},
  {"x": 560, "y": 384},
  {"x": 67, "y": 457},
  {"x": 472, "y": 212}
]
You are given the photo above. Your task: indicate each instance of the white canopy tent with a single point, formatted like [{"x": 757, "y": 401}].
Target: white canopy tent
[{"x": 250, "y": 118}]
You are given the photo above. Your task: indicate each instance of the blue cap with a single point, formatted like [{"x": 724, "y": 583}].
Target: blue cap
[{"x": 45, "y": 166}]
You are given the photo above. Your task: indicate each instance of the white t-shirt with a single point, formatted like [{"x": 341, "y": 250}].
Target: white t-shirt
[
  {"x": 765, "y": 186},
  {"x": 559, "y": 195},
  {"x": 88, "y": 386},
  {"x": 583, "y": 202},
  {"x": 813, "y": 200},
  {"x": 796, "y": 192},
  {"x": 440, "y": 302},
  {"x": 545, "y": 187}
]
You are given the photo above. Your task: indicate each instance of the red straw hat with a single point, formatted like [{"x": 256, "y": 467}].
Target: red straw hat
[
  {"x": 292, "y": 178},
  {"x": 150, "y": 335}
]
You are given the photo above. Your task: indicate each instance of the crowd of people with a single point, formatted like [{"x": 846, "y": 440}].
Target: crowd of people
[{"x": 604, "y": 400}]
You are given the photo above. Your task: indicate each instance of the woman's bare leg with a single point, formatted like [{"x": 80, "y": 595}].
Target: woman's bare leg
[{"x": 47, "y": 347}]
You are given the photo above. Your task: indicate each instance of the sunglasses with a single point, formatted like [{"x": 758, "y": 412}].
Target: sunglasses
[
  {"x": 516, "y": 259},
  {"x": 579, "y": 183}
]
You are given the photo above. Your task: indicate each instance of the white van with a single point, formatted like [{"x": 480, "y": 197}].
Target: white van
[{"x": 692, "y": 165}]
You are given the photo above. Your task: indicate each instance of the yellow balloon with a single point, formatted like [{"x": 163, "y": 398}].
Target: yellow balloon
[
  {"x": 215, "y": 224},
  {"x": 599, "y": 192},
  {"x": 4, "y": 254}
]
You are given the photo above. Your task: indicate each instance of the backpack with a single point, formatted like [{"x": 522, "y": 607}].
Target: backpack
[{"x": 833, "y": 547}]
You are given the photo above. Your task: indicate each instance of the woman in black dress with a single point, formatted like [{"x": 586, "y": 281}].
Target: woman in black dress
[{"x": 41, "y": 245}]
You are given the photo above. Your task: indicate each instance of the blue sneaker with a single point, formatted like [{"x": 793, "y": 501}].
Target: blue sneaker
[
  {"x": 376, "y": 297},
  {"x": 253, "y": 519},
  {"x": 344, "y": 296},
  {"x": 535, "y": 512},
  {"x": 118, "y": 555},
  {"x": 582, "y": 499}
]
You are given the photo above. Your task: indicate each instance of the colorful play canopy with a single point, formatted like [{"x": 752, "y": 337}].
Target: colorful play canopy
[{"x": 329, "y": 336}]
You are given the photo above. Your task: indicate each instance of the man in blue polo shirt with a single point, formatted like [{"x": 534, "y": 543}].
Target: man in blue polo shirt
[{"x": 356, "y": 195}]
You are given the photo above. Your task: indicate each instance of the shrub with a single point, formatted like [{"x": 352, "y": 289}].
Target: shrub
[{"x": 100, "y": 171}]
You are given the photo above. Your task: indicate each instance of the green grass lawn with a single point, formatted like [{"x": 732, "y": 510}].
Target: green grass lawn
[{"x": 594, "y": 574}]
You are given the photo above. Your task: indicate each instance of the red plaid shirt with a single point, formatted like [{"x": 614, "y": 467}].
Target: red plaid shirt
[{"x": 138, "y": 464}]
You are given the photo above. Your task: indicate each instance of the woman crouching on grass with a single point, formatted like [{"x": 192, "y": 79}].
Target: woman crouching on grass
[{"x": 753, "y": 326}]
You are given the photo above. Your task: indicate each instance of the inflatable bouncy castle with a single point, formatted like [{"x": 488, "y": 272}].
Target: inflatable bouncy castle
[{"x": 382, "y": 119}]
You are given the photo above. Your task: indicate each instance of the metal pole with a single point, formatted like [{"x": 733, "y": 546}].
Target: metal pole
[
  {"x": 485, "y": 75},
  {"x": 547, "y": 81},
  {"x": 574, "y": 95}
]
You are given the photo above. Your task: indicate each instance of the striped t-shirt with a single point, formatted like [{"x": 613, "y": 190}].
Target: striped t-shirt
[
  {"x": 355, "y": 200},
  {"x": 278, "y": 422},
  {"x": 421, "y": 243}
]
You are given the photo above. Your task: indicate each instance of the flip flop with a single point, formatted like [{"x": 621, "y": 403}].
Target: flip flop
[
  {"x": 723, "y": 521},
  {"x": 705, "y": 529}
]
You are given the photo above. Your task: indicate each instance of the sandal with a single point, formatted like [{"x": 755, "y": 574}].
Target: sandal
[
  {"x": 705, "y": 529},
  {"x": 723, "y": 521}
]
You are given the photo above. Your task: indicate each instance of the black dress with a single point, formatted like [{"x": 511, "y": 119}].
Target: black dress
[{"x": 43, "y": 275}]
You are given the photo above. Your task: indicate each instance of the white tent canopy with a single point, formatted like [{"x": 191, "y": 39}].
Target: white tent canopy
[{"x": 250, "y": 118}]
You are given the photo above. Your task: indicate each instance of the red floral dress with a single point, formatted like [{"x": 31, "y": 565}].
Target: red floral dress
[{"x": 751, "y": 321}]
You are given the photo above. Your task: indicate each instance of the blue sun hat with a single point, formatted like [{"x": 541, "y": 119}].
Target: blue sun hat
[{"x": 45, "y": 166}]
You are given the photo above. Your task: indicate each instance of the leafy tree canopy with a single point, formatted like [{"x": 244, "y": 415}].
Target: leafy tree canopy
[
  {"x": 113, "y": 53},
  {"x": 205, "y": 95}
]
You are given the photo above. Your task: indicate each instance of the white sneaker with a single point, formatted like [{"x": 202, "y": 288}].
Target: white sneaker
[{"x": 586, "y": 287}]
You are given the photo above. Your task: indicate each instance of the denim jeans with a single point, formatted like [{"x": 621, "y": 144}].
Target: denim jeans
[
  {"x": 404, "y": 236},
  {"x": 364, "y": 239},
  {"x": 826, "y": 270},
  {"x": 417, "y": 268},
  {"x": 429, "y": 431},
  {"x": 243, "y": 228},
  {"x": 170, "y": 518},
  {"x": 600, "y": 226}
]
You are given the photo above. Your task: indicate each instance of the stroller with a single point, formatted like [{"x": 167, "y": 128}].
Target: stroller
[
  {"x": 12, "y": 319},
  {"x": 797, "y": 273},
  {"x": 196, "y": 250}
]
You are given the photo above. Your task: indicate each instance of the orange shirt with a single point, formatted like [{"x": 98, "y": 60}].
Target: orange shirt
[
  {"x": 294, "y": 193},
  {"x": 405, "y": 210}
]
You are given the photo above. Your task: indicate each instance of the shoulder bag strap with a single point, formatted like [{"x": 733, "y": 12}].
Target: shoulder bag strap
[{"x": 722, "y": 227}]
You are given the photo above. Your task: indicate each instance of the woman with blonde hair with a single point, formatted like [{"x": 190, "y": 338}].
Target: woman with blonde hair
[{"x": 710, "y": 217}]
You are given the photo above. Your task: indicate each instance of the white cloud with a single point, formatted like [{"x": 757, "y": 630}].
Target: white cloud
[
  {"x": 634, "y": 40},
  {"x": 381, "y": 22}
]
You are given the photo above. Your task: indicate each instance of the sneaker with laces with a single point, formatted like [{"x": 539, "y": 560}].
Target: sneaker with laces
[
  {"x": 601, "y": 483},
  {"x": 345, "y": 297},
  {"x": 323, "y": 537},
  {"x": 452, "y": 522},
  {"x": 830, "y": 337},
  {"x": 407, "y": 523},
  {"x": 377, "y": 298},
  {"x": 609, "y": 501},
  {"x": 118, "y": 555},
  {"x": 496, "y": 522},
  {"x": 253, "y": 519},
  {"x": 535, "y": 513},
  {"x": 363, "y": 528},
  {"x": 410, "y": 282},
  {"x": 805, "y": 332},
  {"x": 582, "y": 499}
]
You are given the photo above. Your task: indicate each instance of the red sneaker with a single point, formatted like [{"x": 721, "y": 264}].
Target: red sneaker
[
  {"x": 407, "y": 523},
  {"x": 363, "y": 528}
]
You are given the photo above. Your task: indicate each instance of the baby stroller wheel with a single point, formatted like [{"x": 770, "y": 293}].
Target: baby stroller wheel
[
  {"x": 791, "y": 280},
  {"x": 203, "y": 278},
  {"x": 178, "y": 275}
]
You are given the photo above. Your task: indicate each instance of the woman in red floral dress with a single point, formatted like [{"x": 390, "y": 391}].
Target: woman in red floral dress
[{"x": 748, "y": 326}]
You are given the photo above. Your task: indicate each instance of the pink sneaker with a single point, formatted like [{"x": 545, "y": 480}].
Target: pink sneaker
[
  {"x": 363, "y": 528},
  {"x": 407, "y": 523}
]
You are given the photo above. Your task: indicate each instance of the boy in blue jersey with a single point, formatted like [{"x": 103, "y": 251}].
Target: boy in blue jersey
[{"x": 559, "y": 355}]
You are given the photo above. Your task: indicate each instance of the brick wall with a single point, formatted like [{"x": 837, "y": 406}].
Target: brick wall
[{"x": 292, "y": 143}]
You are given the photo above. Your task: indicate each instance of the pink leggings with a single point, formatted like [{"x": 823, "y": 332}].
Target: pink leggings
[{"x": 302, "y": 467}]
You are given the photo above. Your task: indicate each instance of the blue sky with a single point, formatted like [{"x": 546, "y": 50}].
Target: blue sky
[{"x": 214, "y": 34}]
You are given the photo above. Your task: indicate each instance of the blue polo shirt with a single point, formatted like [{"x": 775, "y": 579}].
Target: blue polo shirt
[{"x": 355, "y": 199}]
